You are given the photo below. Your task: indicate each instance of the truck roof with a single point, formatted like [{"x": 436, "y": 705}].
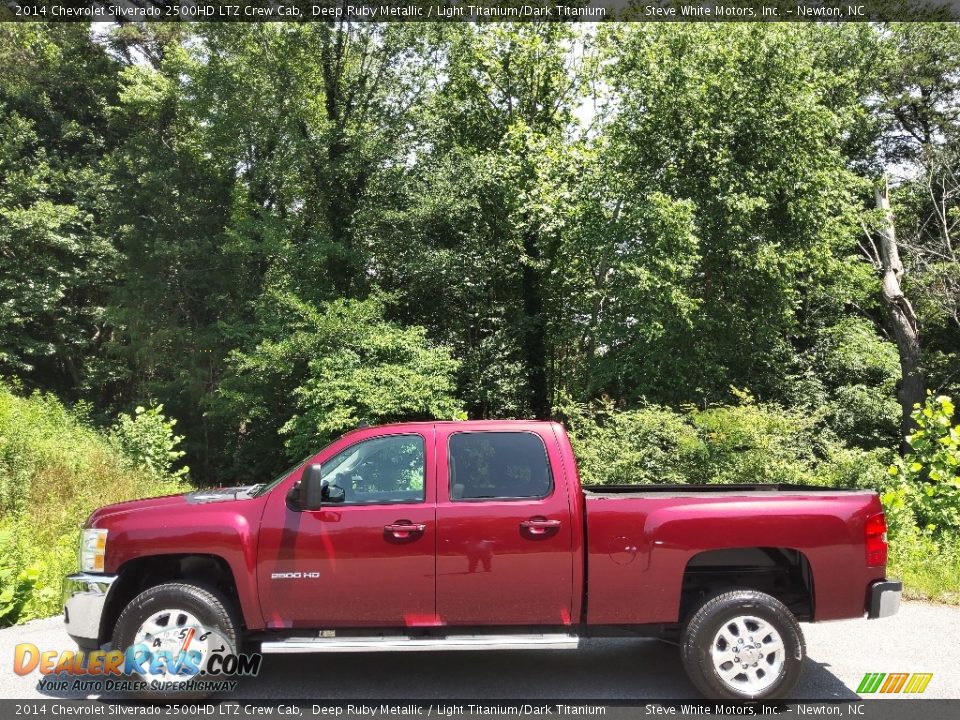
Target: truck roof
[
  {"x": 471, "y": 423},
  {"x": 502, "y": 425}
]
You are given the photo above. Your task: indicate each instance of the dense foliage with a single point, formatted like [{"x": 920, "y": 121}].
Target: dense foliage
[{"x": 274, "y": 232}]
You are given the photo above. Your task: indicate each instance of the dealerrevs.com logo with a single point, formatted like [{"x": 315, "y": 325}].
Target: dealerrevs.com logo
[{"x": 181, "y": 659}]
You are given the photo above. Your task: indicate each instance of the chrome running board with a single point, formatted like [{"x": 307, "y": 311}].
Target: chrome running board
[{"x": 408, "y": 644}]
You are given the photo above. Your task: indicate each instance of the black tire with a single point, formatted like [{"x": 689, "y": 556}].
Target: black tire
[
  {"x": 212, "y": 610},
  {"x": 719, "y": 613}
]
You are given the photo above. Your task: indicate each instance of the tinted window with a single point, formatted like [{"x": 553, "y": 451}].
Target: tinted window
[
  {"x": 380, "y": 470},
  {"x": 498, "y": 465}
]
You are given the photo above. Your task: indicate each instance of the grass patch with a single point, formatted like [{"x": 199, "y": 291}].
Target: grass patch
[
  {"x": 930, "y": 569},
  {"x": 55, "y": 469}
]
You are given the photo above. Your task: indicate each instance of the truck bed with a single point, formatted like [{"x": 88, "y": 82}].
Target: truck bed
[{"x": 641, "y": 539}]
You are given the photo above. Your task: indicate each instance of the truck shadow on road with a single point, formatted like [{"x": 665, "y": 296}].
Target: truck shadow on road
[
  {"x": 608, "y": 669},
  {"x": 611, "y": 669}
]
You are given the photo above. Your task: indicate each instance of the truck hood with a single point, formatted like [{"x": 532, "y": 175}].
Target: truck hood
[{"x": 171, "y": 502}]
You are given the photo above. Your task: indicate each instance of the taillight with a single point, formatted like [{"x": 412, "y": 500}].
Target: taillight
[{"x": 876, "y": 536}]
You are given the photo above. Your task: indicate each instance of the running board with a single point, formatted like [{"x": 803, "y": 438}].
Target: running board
[{"x": 408, "y": 644}]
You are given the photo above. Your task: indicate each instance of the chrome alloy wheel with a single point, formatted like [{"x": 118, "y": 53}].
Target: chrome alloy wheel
[
  {"x": 177, "y": 632},
  {"x": 748, "y": 654}
]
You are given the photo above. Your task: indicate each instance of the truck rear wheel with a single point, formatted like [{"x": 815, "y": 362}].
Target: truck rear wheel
[
  {"x": 176, "y": 618},
  {"x": 743, "y": 645}
]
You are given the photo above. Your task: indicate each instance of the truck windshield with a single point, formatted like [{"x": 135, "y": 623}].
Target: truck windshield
[{"x": 267, "y": 487}]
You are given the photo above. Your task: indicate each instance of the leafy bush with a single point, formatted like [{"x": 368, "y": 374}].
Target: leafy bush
[
  {"x": 930, "y": 472},
  {"x": 147, "y": 440},
  {"x": 621, "y": 447},
  {"x": 754, "y": 443},
  {"x": 851, "y": 467},
  {"x": 744, "y": 443},
  {"x": 851, "y": 353},
  {"x": 55, "y": 469},
  {"x": 866, "y": 415},
  {"x": 16, "y": 583},
  {"x": 848, "y": 380}
]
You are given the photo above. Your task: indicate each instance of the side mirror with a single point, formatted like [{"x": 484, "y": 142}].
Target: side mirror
[{"x": 311, "y": 488}]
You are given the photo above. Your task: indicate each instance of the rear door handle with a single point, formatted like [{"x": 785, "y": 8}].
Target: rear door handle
[
  {"x": 403, "y": 529},
  {"x": 539, "y": 526}
]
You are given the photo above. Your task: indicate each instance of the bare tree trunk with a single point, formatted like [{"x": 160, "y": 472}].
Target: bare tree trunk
[{"x": 902, "y": 317}]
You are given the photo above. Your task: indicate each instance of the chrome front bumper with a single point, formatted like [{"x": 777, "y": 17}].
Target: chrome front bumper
[
  {"x": 84, "y": 597},
  {"x": 884, "y": 598}
]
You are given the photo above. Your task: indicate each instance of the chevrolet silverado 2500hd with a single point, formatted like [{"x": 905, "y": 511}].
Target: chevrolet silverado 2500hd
[{"x": 478, "y": 535}]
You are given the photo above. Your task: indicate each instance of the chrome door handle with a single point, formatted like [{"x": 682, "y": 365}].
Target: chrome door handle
[
  {"x": 403, "y": 529},
  {"x": 540, "y": 526}
]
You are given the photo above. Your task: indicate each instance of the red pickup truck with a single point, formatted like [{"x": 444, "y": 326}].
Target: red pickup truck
[{"x": 478, "y": 535}]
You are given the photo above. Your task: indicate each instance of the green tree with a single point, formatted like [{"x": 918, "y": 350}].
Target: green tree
[
  {"x": 320, "y": 371},
  {"x": 470, "y": 221},
  {"x": 181, "y": 291},
  {"x": 55, "y": 261},
  {"x": 741, "y": 123},
  {"x": 246, "y": 152}
]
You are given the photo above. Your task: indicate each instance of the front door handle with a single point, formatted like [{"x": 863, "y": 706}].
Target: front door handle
[
  {"x": 404, "y": 529},
  {"x": 539, "y": 526}
]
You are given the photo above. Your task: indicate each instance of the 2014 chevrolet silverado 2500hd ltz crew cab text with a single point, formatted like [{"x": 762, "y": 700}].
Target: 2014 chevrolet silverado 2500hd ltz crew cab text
[{"x": 478, "y": 535}]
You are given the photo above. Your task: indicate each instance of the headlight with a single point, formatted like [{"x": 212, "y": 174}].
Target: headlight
[{"x": 93, "y": 546}]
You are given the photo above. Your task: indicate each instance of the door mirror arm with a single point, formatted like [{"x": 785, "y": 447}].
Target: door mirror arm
[{"x": 293, "y": 497}]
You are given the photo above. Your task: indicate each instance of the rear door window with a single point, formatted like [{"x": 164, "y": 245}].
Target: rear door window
[{"x": 498, "y": 465}]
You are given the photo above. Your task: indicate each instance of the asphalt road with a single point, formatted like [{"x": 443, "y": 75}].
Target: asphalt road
[{"x": 921, "y": 638}]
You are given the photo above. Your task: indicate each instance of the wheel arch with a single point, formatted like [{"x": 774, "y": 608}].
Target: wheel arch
[
  {"x": 208, "y": 571},
  {"x": 783, "y": 573}
]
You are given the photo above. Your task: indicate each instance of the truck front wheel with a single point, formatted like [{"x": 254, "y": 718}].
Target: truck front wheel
[
  {"x": 171, "y": 631},
  {"x": 743, "y": 645}
]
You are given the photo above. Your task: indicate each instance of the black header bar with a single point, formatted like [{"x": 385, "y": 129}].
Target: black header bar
[{"x": 481, "y": 11}]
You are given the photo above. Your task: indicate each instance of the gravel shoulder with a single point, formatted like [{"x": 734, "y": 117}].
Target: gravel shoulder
[{"x": 921, "y": 638}]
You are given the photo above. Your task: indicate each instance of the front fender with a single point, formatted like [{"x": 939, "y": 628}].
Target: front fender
[{"x": 224, "y": 530}]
